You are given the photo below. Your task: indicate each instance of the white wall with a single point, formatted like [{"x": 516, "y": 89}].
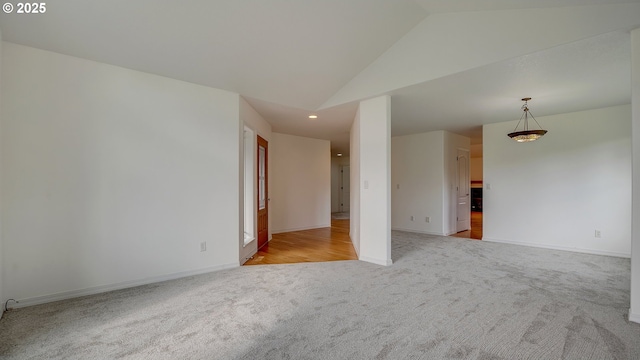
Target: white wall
[
  {"x": 417, "y": 182},
  {"x": 423, "y": 177},
  {"x": 301, "y": 190},
  {"x": 634, "y": 311},
  {"x": 475, "y": 169},
  {"x": 2, "y": 299},
  {"x": 112, "y": 177},
  {"x": 475, "y": 165},
  {"x": 251, "y": 119},
  {"x": 555, "y": 192},
  {"x": 354, "y": 178},
  {"x": 374, "y": 141},
  {"x": 452, "y": 142},
  {"x": 336, "y": 180}
]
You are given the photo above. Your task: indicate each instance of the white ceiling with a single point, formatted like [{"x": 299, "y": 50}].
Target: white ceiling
[
  {"x": 288, "y": 58},
  {"x": 445, "y": 6},
  {"x": 294, "y": 53},
  {"x": 587, "y": 74}
]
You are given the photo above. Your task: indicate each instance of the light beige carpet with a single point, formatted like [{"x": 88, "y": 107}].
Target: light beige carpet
[{"x": 444, "y": 298}]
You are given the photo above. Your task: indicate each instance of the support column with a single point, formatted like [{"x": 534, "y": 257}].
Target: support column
[
  {"x": 374, "y": 128},
  {"x": 634, "y": 312}
]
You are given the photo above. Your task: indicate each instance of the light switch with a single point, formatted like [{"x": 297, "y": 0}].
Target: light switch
[{"x": 366, "y": 184}]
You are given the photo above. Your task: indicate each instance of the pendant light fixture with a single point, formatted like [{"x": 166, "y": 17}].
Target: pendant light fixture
[{"x": 527, "y": 135}]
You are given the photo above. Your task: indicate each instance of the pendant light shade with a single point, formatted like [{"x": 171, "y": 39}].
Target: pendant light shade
[{"x": 526, "y": 135}]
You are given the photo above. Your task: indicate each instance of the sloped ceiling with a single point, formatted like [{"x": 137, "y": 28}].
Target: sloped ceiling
[
  {"x": 586, "y": 74},
  {"x": 293, "y": 53},
  {"x": 449, "y": 65}
]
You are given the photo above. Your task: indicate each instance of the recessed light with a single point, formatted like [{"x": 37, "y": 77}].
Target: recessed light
[
  {"x": 313, "y": 116},
  {"x": 338, "y": 154}
]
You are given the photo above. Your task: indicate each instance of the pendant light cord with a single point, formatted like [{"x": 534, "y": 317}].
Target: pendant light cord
[{"x": 525, "y": 115}]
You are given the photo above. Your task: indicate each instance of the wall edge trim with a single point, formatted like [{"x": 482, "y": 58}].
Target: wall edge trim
[
  {"x": 561, "y": 248},
  {"x": 354, "y": 245},
  {"x": 301, "y": 228},
  {"x": 66, "y": 295},
  {"x": 387, "y": 262},
  {"x": 418, "y": 231}
]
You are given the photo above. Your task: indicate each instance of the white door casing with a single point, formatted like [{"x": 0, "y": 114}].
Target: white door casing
[{"x": 463, "y": 207}]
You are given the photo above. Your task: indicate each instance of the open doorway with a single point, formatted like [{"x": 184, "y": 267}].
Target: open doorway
[
  {"x": 463, "y": 193},
  {"x": 475, "y": 191},
  {"x": 319, "y": 244},
  {"x": 304, "y": 173},
  {"x": 340, "y": 187}
]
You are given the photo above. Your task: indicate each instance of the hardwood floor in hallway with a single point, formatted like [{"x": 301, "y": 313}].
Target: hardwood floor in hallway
[
  {"x": 315, "y": 245},
  {"x": 476, "y": 227}
]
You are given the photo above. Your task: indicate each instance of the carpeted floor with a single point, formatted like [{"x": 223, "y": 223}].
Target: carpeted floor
[{"x": 444, "y": 298}]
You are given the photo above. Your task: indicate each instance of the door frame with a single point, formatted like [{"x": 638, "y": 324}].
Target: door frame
[
  {"x": 262, "y": 236},
  {"x": 467, "y": 212}
]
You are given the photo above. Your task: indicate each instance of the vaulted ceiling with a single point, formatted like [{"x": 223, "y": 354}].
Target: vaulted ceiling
[{"x": 448, "y": 65}]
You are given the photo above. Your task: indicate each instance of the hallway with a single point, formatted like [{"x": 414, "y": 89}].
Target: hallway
[{"x": 315, "y": 245}]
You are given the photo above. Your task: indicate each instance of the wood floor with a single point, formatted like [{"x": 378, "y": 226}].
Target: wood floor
[
  {"x": 327, "y": 244},
  {"x": 476, "y": 227},
  {"x": 316, "y": 245}
]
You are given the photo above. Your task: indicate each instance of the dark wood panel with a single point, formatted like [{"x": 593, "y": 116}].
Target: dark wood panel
[{"x": 263, "y": 214}]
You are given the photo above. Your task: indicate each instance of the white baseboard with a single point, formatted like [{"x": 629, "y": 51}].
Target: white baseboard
[
  {"x": 634, "y": 317},
  {"x": 118, "y": 286},
  {"x": 301, "y": 228},
  {"x": 354, "y": 246},
  {"x": 382, "y": 262},
  {"x": 249, "y": 256},
  {"x": 418, "y": 231},
  {"x": 562, "y": 248}
]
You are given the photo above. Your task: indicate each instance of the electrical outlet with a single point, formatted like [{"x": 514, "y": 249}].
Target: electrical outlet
[
  {"x": 598, "y": 234},
  {"x": 203, "y": 246},
  {"x": 428, "y": 219},
  {"x": 412, "y": 218}
]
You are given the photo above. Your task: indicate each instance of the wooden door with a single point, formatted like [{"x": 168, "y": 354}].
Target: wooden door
[
  {"x": 263, "y": 196},
  {"x": 463, "y": 193}
]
